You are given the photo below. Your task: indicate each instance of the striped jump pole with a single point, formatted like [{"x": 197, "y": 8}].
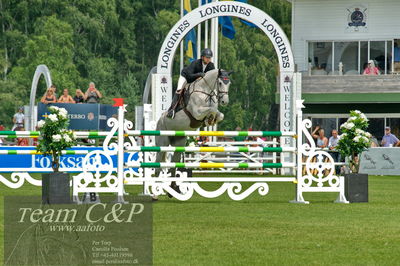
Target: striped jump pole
[
  {"x": 210, "y": 133},
  {"x": 211, "y": 165},
  {"x": 211, "y": 149}
]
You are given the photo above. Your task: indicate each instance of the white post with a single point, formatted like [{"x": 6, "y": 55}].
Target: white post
[
  {"x": 199, "y": 37},
  {"x": 120, "y": 166},
  {"x": 181, "y": 46},
  {"x": 215, "y": 59},
  {"x": 206, "y": 35}
]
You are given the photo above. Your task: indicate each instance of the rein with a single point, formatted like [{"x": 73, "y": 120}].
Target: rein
[{"x": 217, "y": 93}]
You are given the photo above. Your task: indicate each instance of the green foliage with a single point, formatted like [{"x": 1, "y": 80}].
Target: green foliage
[
  {"x": 54, "y": 136},
  {"x": 115, "y": 43},
  {"x": 354, "y": 138}
]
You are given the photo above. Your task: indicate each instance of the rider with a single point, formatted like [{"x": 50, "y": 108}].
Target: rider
[{"x": 189, "y": 74}]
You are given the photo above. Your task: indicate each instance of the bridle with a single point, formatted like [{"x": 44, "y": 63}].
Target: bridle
[{"x": 217, "y": 93}]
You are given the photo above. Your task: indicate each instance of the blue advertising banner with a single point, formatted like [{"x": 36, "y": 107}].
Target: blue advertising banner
[
  {"x": 71, "y": 162},
  {"x": 83, "y": 116}
]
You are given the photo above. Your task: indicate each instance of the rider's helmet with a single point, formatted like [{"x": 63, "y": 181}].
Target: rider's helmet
[{"x": 207, "y": 53}]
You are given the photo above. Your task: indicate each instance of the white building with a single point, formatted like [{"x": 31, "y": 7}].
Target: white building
[{"x": 333, "y": 41}]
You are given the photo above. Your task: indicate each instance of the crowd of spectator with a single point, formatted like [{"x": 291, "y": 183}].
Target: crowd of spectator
[{"x": 92, "y": 95}]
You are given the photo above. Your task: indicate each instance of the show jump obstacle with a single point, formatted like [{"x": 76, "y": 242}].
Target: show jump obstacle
[
  {"x": 134, "y": 171},
  {"x": 101, "y": 174}
]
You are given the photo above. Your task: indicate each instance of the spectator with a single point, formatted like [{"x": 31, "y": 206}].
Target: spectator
[
  {"x": 332, "y": 144},
  {"x": 79, "y": 96},
  {"x": 49, "y": 97},
  {"x": 21, "y": 141},
  {"x": 66, "y": 98},
  {"x": 18, "y": 118},
  {"x": 389, "y": 140},
  {"x": 92, "y": 95},
  {"x": 319, "y": 135},
  {"x": 54, "y": 88},
  {"x": 371, "y": 69}
]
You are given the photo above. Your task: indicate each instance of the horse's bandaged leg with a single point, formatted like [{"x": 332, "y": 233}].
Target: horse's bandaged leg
[{"x": 219, "y": 117}]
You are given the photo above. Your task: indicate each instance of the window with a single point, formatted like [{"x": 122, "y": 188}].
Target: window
[
  {"x": 377, "y": 127},
  {"x": 394, "y": 124},
  {"x": 347, "y": 53},
  {"x": 320, "y": 57},
  {"x": 324, "y": 57},
  {"x": 377, "y": 53}
]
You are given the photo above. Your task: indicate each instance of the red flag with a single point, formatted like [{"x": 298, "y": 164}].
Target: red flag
[{"x": 118, "y": 102}]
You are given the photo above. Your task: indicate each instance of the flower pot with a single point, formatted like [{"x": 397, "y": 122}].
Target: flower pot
[
  {"x": 55, "y": 188},
  {"x": 356, "y": 187}
]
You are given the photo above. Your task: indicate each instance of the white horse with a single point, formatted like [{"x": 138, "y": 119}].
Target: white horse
[{"x": 197, "y": 108}]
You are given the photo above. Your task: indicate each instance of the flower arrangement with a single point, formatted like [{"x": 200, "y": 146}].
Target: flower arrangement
[
  {"x": 354, "y": 138},
  {"x": 54, "y": 136}
]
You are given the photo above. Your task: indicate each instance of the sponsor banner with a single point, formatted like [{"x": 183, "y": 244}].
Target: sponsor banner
[
  {"x": 380, "y": 161},
  {"x": 104, "y": 233},
  {"x": 69, "y": 163},
  {"x": 83, "y": 116}
]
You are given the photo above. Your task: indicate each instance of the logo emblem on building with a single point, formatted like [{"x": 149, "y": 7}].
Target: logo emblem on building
[{"x": 357, "y": 18}]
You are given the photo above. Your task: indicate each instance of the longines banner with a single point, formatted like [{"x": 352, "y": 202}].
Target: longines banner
[
  {"x": 83, "y": 116},
  {"x": 380, "y": 161},
  {"x": 226, "y": 8},
  {"x": 233, "y": 9}
]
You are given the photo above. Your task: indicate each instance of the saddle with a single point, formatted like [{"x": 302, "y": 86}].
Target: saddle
[{"x": 183, "y": 101}]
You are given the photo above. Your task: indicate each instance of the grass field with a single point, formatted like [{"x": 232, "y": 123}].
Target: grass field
[{"x": 270, "y": 231}]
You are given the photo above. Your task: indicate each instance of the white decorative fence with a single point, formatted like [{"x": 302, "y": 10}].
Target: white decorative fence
[{"x": 100, "y": 174}]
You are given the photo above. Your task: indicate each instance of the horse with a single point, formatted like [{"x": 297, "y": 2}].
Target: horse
[{"x": 197, "y": 108}]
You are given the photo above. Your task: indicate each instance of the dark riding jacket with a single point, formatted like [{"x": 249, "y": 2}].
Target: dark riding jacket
[{"x": 195, "y": 70}]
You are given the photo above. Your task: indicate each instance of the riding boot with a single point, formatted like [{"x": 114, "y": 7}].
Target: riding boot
[{"x": 171, "y": 110}]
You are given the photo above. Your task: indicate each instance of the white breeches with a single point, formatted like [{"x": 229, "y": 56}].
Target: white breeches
[{"x": 181, "y": 82}]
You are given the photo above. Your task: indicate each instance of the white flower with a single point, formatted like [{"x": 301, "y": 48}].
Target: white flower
[
  {"x": 63, "y": 112},
  {"x": 40, "y": 124},
  {"x": 363, "y": 117},
  {"x": 365, "y": 139},
  {"x": 368, "y": 135},
  {"x": 360, "y": 131},
  {"x": 53, "y": 117},
  {"x": 191, "y": 144},
  {"x": 73, "y": 135},
  {"x": 351, "y": 118},
  {"x": 357, "y": 138},
  {"x": 56, "y": 138},
  {"x": 55, "y": 108},
  {"x": 357, "y": 112},
  {"x": 350, "y": 125},
  {"x": 347, "y": 125},
  {"x": 343, "y": 135},
  {"x": 67, "y": 138}
]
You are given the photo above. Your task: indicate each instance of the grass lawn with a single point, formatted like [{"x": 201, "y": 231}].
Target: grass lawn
[{"x": 270, "y": 231}]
